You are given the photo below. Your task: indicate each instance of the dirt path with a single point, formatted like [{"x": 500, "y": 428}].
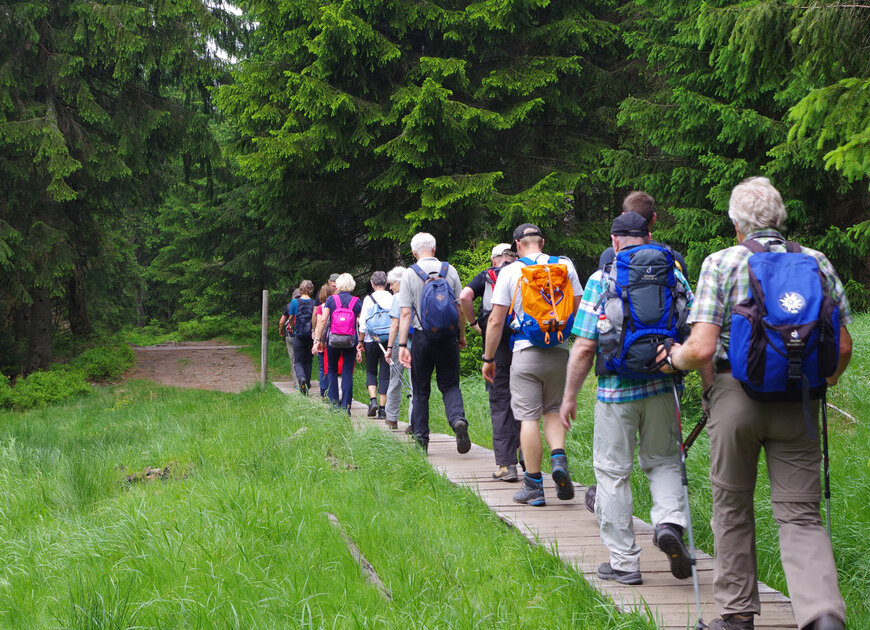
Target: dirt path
[{"x": 196, "y": 364}]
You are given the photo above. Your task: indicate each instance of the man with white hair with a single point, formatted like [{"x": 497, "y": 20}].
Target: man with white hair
[
  {"x": 432, "y": 352},
  {"x": 740, "y": 426},
  {"x": 505, "y": 428}
]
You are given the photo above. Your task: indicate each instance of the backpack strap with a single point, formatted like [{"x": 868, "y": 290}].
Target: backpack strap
[
  {"x": 445, "y": 266},
  {"x": 419, "y": 271},
  {"x": 492, "y": 275},
  {"x": 527, "y": 261},
  {"x": 792, "y": 248},
  {"x": 754, "y": 246}
]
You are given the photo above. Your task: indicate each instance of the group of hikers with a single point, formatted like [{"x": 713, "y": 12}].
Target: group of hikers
[{"x": 765, "y": 327}]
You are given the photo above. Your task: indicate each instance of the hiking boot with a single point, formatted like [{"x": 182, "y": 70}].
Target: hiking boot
[
  {"x": 393, "y": 424},
  {"x": 506, "y": 473},
  {"x": 408, "y": 430},
  {"x": 382, "y": 413},
  {"x": 589, "y": 499},
  {"x": 561, "y": 477},
  {"x": 463, "y": 443},
  {"x": 303, "y": 387},
  {"x": 373, "y": 407},
  {"x": 733, "y": 622},
  {"x": 827, "y": 622},
  {"x": 669, "y": 538},
  {"x": 606, "y": 572},
  {"x": 532, "y": 492}
]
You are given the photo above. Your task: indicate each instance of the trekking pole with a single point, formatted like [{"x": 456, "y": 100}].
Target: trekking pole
[
  {"x": 826, "y": 460},
  {"x": 687, "y": 443},
  {"x": 685, "y": 481}
]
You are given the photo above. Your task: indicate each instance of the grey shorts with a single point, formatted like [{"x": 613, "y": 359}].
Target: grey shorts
[{"x": 537, "y": 381}]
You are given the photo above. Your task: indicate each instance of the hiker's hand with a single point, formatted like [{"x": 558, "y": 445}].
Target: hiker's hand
[
  {"x": 462, "y": 343},
  {"x": 388, "y": 355},
  {"x": 705, "y": 401},
  {"x": 662, "y": 355},
  {"x": 567, "y": 413},
  {"x": 476, "y": 328},
  {"x": 315, "y": 347},
  {"x": 359, "y": 355},
  {"x": 405, "y": 357},
  {"x": 488, "y": 371}
]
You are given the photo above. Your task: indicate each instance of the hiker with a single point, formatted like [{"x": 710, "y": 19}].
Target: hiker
[
  {"x": 643, "y": 204},
  {"x": 429, "y": 302},
  {"x": 323, "y": 374},
  {"x": 374, "y": 332},
  {"x": 630, "y": 405},
  {"x": 740, "y": 426},
  {"x": 397, "y": 370},
  {"x": 505, "y": 428},
  {"x": 341, "y": 310},
  {"x": 539, "y": 359},
  {"x": 286, "y": 330},
  {"x": 301, "y": 312}
]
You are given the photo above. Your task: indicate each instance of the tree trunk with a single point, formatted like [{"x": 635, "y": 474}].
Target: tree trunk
[
  {"x": 40, "y": 350},
  {"x": 79, "y": 323}
]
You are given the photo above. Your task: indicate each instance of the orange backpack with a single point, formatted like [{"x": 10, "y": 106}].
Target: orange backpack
[{"x": 548, "y": 302}]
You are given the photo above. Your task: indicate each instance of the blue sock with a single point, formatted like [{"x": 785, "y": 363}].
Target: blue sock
[
  {"x": 557, "y": 451},
  {"x": 535, "y": 476}
]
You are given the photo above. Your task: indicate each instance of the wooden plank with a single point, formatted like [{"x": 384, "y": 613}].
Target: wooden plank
[{"x": 568, "y": 530}]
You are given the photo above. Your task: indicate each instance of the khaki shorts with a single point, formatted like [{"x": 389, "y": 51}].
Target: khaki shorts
[{"x": 537, "y": 381}]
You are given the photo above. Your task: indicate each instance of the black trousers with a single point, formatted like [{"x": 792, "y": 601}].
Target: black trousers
[
  {"x": 505, "y": 429},
  {"x": 302, "y": 358},
  {"x": 442, "y": 357},
  {"x": 377, "y": 368}
]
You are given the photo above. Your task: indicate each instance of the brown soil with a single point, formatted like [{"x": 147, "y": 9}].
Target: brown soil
[{"x": 196, "y": 364}]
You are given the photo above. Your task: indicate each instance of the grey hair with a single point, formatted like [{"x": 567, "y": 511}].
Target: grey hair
[
  {"x": 345, "y": 282},
  {"x": 379, "y": 279},
  {"x": 395, "y": 275},
  {"x": 755, "y": 204},
  {"x": 422, "y": 241}
]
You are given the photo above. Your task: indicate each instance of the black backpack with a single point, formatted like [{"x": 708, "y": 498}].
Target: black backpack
[{"x": 304, "y": 314}]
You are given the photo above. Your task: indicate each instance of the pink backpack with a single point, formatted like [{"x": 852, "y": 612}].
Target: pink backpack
[{"x": 342, "y": 324}]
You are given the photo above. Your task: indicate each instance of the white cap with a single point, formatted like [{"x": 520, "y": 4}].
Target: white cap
[{"x": 501, "y": 249}]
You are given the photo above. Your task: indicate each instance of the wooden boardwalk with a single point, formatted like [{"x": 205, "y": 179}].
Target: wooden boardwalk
[{"x": 568, "y": 530}]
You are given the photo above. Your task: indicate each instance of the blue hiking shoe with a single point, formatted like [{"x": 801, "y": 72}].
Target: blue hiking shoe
[
  {"x": 532, "y": 492},
  {"x": 561, "y": 477}
]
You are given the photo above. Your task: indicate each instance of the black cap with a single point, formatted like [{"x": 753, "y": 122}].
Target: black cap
[
  {"x": 527, "y": 229},
  {"x": 629, "y": 224}
]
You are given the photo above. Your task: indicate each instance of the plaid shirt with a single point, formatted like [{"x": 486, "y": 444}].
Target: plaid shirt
[
  {"x": 613, "y": 388},
  {"x": 724, "y": 281}
]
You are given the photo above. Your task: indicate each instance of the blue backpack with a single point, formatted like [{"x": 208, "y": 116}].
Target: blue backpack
[
  {"x": 378, "y": 322},
  {"x": 438, "y": 315},
  {"x": 643, "y": 305},
  {"x": 785, "y": 337}
]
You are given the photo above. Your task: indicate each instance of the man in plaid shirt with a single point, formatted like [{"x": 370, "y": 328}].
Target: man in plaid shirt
[
  {"x": 626, "y": 408},
  {"x": 739, "y": 427}
]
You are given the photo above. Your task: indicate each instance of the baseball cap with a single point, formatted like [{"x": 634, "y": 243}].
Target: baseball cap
[
  {"x": 501, "y": 249},
  {"x": 629, "y": 224},
  {"x": 527, "y": 229}
]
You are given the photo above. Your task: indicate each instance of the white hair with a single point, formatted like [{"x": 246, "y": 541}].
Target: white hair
[
  {"x": 422, "y": 242},
  {"x": 395, "y": 275},
  {"x": 755, "y": 204},
  {"x": 345, "y": 282}
]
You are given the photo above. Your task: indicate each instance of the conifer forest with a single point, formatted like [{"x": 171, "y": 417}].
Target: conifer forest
[{"x": 165, "y": 161}]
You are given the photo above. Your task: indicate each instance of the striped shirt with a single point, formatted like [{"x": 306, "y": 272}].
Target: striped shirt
[
  {"x": 724, "y": 282},
  {"x": 613, "y": 388}
]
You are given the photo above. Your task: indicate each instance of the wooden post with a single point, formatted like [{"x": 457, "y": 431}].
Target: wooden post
[{"x": 264, "y": 340}]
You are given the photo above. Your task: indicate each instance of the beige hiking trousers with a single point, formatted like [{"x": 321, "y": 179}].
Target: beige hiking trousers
[
  {"x": 739, "y": 427},
  {"x": 617, "y": 429}
]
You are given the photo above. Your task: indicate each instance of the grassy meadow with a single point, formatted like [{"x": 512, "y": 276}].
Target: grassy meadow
[{"x": 235, "y": 533}]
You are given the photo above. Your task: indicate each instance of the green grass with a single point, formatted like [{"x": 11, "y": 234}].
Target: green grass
[{"x": 237, "y": 537}]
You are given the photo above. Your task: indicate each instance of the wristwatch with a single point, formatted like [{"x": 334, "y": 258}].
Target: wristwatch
[{"x": 485, "y": 360}]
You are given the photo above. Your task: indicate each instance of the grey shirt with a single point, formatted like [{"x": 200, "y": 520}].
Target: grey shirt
[{"x": 412, "y": 286}]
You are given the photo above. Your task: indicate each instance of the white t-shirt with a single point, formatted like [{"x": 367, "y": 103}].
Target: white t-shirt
[
  {"x": 506, "y": 288},
  {"x": 383, "y": 298}
]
